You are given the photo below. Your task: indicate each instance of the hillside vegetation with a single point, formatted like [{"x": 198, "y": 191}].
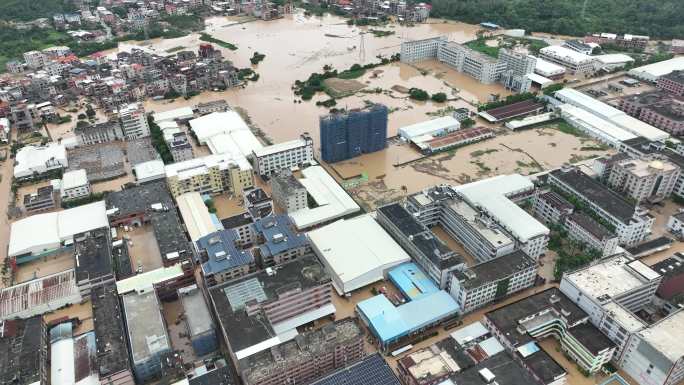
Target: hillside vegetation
[{"x": 656, "y": 18}]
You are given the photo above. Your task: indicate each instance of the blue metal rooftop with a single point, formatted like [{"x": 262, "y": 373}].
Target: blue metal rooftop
[
  {"x": 411, "y": 281},
  {"x": 390, "y": 323},
  {"x": 222, "y": 253},
  {"x": 278, "y": 235}
]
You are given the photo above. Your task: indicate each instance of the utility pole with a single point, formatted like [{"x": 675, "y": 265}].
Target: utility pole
[{"x": 362, "y": 48}]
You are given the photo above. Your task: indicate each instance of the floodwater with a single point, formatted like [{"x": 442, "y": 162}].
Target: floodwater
[
  {"x": 520, "y": 152},
  {"x": 297, "y": 46}
]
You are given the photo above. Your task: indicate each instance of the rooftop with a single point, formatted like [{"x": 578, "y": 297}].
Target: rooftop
[
  {"x": 495, "y": 269},
  {"x": 112, "y": 353},
  {"x": 170, "y": 235},
  {"x": 565, "y": 54},
  {"x": 287, "y": 183},
  {"x": 660, "y": 68},
  {"x": 146, "y": 330},
  {"x": 662, "y": 334},
  {"x": 331, "y": 199},
  {"x": 237, "y": 220},
  {"x": 199, "y": 166},
  {"x": 73, "y": 179},
  {"x": 544, "y": 366},
  {"x": 557, "y": 201},
  {"x": 140, "y": 151},
  {"x": 305, "y": 347},
  {"x": 138, "y": 199},
  {"x": 596, "y": 193},
  {"x": 176, "y": 113},
  {"x": 222, "y": 253},
  {"x": 372, "y": 369},
  {"x": 591, "y": 338},
  {"x": 671, "y": 266},
  {"x": 507, "y": 317},
  {"x": 246, "y": 331},
  {"x": 93, "y": 255},
  {"x": 390, "y": 322},
  {"x": 281, "y": 147},
  {"x": 494, "y": 195},
  {"x": 590, "y": 225},
  {"x": 515, "y": 109},
  {"x": 624, "y": 317},
  {"x": 371, "y": 253},
  {"x": 611, "y": 277},
  {"x": 196, "y": 311},
  {"x": 195, "y": 215},
  {"x": 23, "y": 350},
  {"x": 278, "y": 235},
  {"x": 147, "y": 280},
  {"x": 411, "y": 281}
]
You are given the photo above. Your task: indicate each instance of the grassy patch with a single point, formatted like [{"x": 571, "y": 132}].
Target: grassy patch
[
  {"x": 565, "y": 127},
  {"x": 479, "y": 153},
  {"x": 381, "y": 33},
  {"x": 351, "y": 73},
  {"x": 210, "y": 39},
  {"x": 600, "y": 147},
  {"x": 175, "y": 49},
  {"x": 480, "y": 45}
]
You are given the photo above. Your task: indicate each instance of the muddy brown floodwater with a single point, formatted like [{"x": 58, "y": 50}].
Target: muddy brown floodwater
[{"x": 297, "y": 46}]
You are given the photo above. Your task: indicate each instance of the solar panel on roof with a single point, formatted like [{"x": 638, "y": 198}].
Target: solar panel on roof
[{"x": 372, "y": 370}]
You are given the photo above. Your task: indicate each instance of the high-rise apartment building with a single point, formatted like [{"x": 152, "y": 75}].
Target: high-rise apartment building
[
  {"x": 350, "y": 134},
  {"x": 133, "y": 121}
]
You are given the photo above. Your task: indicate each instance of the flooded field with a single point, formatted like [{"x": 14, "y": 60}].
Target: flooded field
[{"x": 524, "y": 152}]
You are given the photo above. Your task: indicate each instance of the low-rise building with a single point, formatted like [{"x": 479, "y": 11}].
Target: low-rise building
[
  {"x": 221, "y": 260},
  {"x": 32, "y": 160},
  {"x": 652, "y": 356},
  {"x": 200, "y": 325},
  {"x": 675, "y": 224},
  {"x": 585, "y": 229},
  {"x": 278, "y": 241},
  {"x": 631, "y": 224},
  {"x": 93, "y": 259},
  {"x": 309, "y": 357},
  {"x": 672, "y": 82},
  {"x": 658, "y": 108},
  {"x": 288, "y": 192},
  {"x": 372, "y": 369},
  {"x": 672, "y": 285},
  {"x": 284, "y": 156},
  {"x": 103, "y": 132},
  {"x": 42, "y": 199},
  {"x": 520, "y": 324},
  {"x": 75, "y": 185},
  {"x": 147, "y": 336},
  {"x": 134, "y": 206},
  {"x": 262, "y": 310},
  {"x": 549, "y": 70},
  {"x": 551, "y": 207},
  {"x": 211, "y": 174},
  {"x": 492, "y": 280},
  {"x": 257, "y": 202},
  {"x": 23, "y": 351},
  {"x": 575, "y": 62}
]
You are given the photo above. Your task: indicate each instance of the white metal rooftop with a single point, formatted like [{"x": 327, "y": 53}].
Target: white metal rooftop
[{"x": 667, "y": 336}]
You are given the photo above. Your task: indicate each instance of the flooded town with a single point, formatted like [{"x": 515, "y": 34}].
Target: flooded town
[{"x": 338, "y": 192}]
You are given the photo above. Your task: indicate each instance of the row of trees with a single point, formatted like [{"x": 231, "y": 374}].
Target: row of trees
[{"x": 656, "y": 18}]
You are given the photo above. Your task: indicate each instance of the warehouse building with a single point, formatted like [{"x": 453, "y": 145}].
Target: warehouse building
[
  {"x": 353, "y": 265},
  {"x": 429, "y": 129},
  {"x": 39, "y": 296},
  {"x": 548, "y": 70},
  {"x": 195, "y": 215},
  {"x": 46, "y": 234},
  {"x": 611, "y": 114},
  {"x": 594, "y": 126},
  {"x": 32, "y": 160},
  {"x": 134, "y": 206},
  {"x": 394, "y": 325},
  {"x": 653, "y": 72}
]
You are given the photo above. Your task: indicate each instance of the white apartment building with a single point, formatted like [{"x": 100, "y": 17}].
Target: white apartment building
[
  {"x": 417, "y": 50},
  {"x": 34, "y": 59},
  {"x": 575, "y": 62},
  {"x": 287, "y": 155},
  {"x": 75, "y": 185},
  {"x": 551, "y": 208},
  {"x": 644, "y": 179},
  {"x": 288, "y": 192},
  {"x": 630, "y": 223},
  {"x": 484, "y": 68},
  {"x": 583, "y": 228},
  {"x": 675, "y": 224},
  {"x": 134, "y": 121},
  {"x": 655, "y": 355},
  {"x": 489, "y": 281},
  {"x": 518, "y": 65},
  {"x": 611, "y": 290},
  {"x": 210, "y": 174}
]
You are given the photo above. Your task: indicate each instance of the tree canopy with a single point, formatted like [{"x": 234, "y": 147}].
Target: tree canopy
[{"x": 656, "y": 18}]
